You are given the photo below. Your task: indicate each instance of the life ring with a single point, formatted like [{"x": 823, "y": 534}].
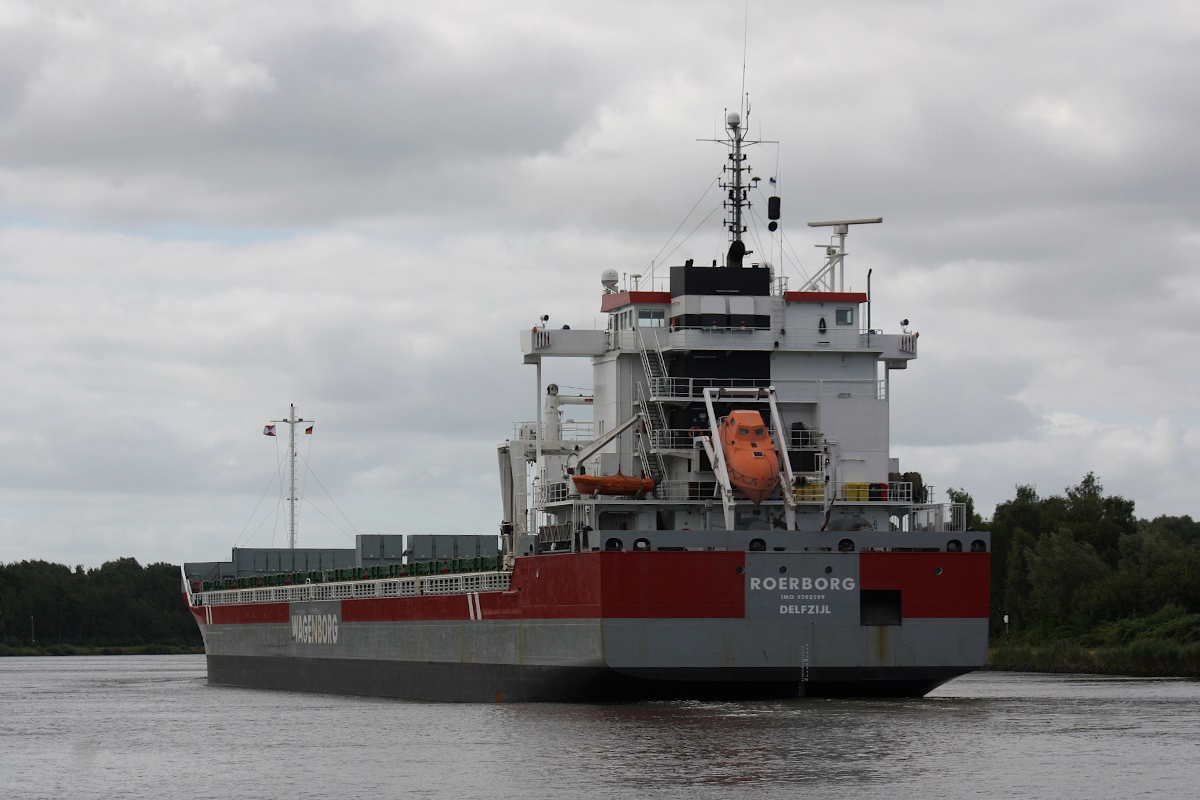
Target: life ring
[{"x": 695, "y": 431}]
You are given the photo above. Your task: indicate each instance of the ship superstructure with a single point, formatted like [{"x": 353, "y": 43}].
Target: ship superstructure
[{"x": 729, "y": 523}]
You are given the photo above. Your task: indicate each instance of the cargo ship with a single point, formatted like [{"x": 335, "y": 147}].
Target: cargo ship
[{"x": 729, "y": 523}]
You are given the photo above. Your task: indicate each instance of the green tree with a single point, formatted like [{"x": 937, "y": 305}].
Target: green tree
[
  {"x": 1059, "y": 566},
  {"x": 120, "y": 603}
]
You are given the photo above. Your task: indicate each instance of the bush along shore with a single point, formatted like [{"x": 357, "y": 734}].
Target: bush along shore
[
  {"x": 72, "y": 650},
  {"x": 1088, "y": 587},
  {"x": 118, "y": 608}
]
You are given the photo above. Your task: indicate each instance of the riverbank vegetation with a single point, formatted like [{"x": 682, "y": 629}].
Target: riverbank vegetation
[
  {"x": 1087, "y": 585},
  {"x": 119, "y": 607}
]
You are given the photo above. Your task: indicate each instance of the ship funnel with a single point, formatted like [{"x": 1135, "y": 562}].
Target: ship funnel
[{"x": 737, "y": 251}]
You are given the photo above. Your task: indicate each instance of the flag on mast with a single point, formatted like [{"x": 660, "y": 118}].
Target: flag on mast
[
  {"x": 268, "y": 430},
  {"x": 308, "y": 429}
]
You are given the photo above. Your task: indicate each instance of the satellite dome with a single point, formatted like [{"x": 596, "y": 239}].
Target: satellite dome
[
  {"x": 734, "y": 119},
  {"x": 609, "y": 279}
]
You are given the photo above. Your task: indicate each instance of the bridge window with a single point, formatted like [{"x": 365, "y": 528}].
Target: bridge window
[
  {"x": 652, "y": 318},
  {"x": 844, "y": 316}
]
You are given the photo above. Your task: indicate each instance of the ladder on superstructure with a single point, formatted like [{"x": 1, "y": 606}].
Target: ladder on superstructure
[
  {"x": 654, "y": 418},
  {"x": 652, "y": 460}
]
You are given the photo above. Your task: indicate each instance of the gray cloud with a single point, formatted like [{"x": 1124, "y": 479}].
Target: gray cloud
[{"x": 209, "y": 213}]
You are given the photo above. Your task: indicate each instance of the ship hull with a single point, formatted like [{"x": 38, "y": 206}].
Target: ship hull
[
  {"x": 625, "y": 626},
  {"x": 488, "y": 683}
]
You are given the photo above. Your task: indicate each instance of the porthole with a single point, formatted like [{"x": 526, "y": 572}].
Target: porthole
[
  {"x": 954, "y": 546},
  {"x": 739, "y": 570},
  {"x": 978, "y": 546},
  {"x": 829, "y": 570},
  {"x": 783, "y": 570},
  {"x": 614, "y": 544},
  {"x": 758, "y": 545},
  {"x": 937, "y": 570},
  {"x": 846, "y": 546},
  {"x": 641, "y": 544}
]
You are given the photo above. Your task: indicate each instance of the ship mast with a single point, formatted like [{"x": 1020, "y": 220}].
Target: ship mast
[
  {"x": 737, "y": 186},
  {"x": 292, "y": 421},
  {"x": 736, "y": 183}
]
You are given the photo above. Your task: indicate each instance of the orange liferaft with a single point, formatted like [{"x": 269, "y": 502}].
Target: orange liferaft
[
  {"x": 612, "y": 484},
  {"x": 750, "y": 457}
]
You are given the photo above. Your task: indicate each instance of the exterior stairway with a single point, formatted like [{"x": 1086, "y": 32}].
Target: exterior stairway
[{"x": 653, "y": 416}]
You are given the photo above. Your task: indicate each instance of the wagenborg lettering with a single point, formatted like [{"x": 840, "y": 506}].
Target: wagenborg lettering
[{"x": 314, "y": 628}]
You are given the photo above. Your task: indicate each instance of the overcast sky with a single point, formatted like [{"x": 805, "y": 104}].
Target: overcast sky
[{"x": 211, "y": 209}]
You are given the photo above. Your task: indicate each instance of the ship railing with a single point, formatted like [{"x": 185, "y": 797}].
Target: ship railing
[
  {"x": 352, "y": 590},
  {"x": 576, "y": 431},
  {"x": 730, "y": 337},
  {"x": 834, "y": 337},
  {"x": 693, "y": 388},
  {"x": 805, "y": 439},
  {"x": 674, "y": 439},
  {"x": 548, "y": 492},
  {"x": 813, "y": 489},
  {"x": 679, "y": 440},
  {"x": 938, "y": 517},
  {"x": 572, "y": 431},
  {"x": 791, "y": 390},
  {"x": 619, "y": 340},
  {"x": 686, "y": 490},
  {"x": 807, "y": 489},
  {"x": 786, "y": 389}
]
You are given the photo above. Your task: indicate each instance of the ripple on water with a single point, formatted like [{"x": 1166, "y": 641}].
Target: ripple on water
[{"x": 100, "y": 727}]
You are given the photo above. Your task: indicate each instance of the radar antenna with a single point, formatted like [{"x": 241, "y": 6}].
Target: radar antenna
[{"x": 832, "y": 276}]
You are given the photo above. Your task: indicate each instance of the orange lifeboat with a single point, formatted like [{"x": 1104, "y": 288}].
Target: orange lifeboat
[
  {"x": 612, "y": 484},
  {"x": 750, "y": 456}
]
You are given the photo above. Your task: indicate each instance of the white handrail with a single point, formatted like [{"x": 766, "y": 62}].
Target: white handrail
[{"x": 457, "y": 583}]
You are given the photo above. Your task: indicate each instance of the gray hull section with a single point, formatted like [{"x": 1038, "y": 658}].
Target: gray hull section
[
  {"x": 574, "y": 660},
  {"x": 484, "y": 683}
]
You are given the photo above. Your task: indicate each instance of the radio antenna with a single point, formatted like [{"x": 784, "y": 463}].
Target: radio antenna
[{"x": 745, "y": 41}]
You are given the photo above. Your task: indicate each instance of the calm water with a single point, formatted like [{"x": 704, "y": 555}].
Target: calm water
[{"x": 150, "y": 727}]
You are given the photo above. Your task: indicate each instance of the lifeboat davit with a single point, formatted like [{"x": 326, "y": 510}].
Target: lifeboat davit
[
  {"x": 750, "y": 456},
  {"x": 613, "y": 484}
]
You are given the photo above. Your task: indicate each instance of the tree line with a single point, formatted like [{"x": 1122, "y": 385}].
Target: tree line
[
  {"x": 119, "y": 604},
  {"x": 1082, "y": 567}
]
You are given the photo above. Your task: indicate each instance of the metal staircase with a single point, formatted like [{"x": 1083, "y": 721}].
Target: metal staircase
[
  {"x": 653, "y": 362},
  {"x": 652, "y": 420}
]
